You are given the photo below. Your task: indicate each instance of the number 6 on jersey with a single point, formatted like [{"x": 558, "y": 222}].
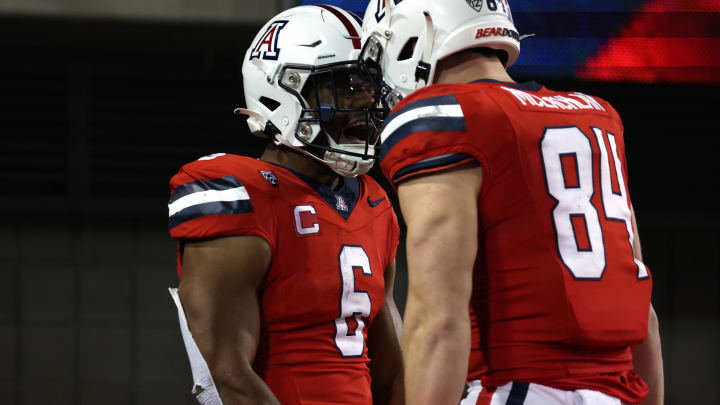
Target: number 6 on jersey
[{"x": 354, "y": 304}]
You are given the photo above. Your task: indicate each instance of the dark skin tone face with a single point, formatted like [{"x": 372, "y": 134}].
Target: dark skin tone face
[{"x": 352, "y": 93}]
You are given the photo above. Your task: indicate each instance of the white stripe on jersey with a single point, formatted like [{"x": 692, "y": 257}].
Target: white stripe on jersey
[
  {"x": 207, "y": 196},
  {"x": 432, "y": 111}
]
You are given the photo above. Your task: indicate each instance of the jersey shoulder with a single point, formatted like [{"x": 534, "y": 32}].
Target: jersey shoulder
[
  {"x": 221, "y": 165},
  {"x": 371, "y": 187},
  {"x": 428, "y": 131},
  {"x": 219, "y": 195}
]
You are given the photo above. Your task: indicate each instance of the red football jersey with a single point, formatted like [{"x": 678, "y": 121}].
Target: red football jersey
[
  {"x": 558, "y": 296},
  {"x": 326, "y": 280}
]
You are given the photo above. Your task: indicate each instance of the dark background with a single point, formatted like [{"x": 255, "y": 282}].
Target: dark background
[{"x": 97, "y": 115}]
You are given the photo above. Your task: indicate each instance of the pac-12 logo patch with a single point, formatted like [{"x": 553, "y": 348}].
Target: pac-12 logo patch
[
  {"x": 476, "y": 4},
  {"x": 270, "y": 177},
  {"x": 266, "y": 47}
]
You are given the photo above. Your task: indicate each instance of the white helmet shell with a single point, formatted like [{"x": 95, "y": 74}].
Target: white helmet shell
[
  {"x": 437, "y": 29},
  {"x": 279, "y": 63}
]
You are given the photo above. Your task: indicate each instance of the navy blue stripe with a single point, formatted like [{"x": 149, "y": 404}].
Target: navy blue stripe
[
  {"x": 210, "y": 208},
  {"x": 445, "y": 124},
  {"x": 349, "y": 191},
  {"x": 448, "y": 99},
  {"x": 431, "y": 164},
  {"x": 518, "y": 392},
  {"x": 219, "y": 184}
]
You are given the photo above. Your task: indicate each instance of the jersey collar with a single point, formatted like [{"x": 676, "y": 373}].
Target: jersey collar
[
  {"x": 526, "y": 86},
  {"x": 343, "y": 200}
]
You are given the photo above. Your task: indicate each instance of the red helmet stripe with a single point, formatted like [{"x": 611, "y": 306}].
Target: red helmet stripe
[{"x": 346, "y": 22}]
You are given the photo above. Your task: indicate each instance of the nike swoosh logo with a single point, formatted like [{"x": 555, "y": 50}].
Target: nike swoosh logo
[{"x": 375, "y": 203}]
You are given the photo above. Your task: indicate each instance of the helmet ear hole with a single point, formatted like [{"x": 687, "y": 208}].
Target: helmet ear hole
[
  {"x": 271, "y": 104},
  {"x": 408, "y": 49}
]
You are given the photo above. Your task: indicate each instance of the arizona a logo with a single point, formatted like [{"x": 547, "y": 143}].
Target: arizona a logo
[
  {"x": 380, "y": 12},
  {"x": 476, "y": 4},
  {"x": 340, "y": 206},
  {"x": 267, "y": 48}
]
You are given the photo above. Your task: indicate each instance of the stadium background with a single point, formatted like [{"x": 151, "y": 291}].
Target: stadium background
[{"x": 102, "y": 101}]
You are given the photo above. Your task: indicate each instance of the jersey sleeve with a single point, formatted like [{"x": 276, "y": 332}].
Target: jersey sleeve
[
  {"x": 215, "y": 198},
  {"x": 426, "y": 133}
]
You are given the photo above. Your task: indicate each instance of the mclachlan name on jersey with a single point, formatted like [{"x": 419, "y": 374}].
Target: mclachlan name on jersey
[{"x": 573, "y": 101}]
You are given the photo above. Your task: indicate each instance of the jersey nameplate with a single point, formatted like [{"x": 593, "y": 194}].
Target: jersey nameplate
[{"x": 574, "y": 101}]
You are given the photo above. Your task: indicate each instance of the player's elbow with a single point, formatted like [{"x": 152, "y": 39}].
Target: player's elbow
[
  {"x": 442, "y": 331},
  {"x": 438, "y": 319}
]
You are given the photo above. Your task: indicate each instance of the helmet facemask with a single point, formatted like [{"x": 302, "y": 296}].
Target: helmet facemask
[
  {"x": 339, "y": 123},
  {"x": 371, "y": 63}
]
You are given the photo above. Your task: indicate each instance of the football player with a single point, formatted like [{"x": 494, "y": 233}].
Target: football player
[
  {"x": 516, "y": 203},
  {"x": 286, "y": 262}
]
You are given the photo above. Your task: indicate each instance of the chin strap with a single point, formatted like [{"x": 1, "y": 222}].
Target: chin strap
[{"x": 422, "y": 72}]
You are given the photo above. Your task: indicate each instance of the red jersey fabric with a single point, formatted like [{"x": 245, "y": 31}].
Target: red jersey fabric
[
  {"x": 558, "y": 297},
  {"x": 326, "y": 280}
]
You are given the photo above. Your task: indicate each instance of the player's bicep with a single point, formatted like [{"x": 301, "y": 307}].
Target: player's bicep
[
  {"x": 442, "y": 218},
  {"x": 218, "y": 291}
]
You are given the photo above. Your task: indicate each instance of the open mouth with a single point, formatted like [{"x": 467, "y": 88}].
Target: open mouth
[{"x": 357, "y": 130}]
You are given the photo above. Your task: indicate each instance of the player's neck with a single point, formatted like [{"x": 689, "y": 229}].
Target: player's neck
[
  {"x": 466, "y": 67},
  {"x": 302, "y": 164}
]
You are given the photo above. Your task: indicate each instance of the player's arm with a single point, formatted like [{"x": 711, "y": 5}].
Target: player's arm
[
  {"x": 219, "y": 292},
  {"x": 647, "y": 359},
  {"x": 647, "y": 356},
  {"x": 440, "y": 211},
  {"x": 384, "y": 349}
]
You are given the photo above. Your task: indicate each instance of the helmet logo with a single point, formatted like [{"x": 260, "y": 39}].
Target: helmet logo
[
  {"x": 381, "y": 5},
  {"x": 380, "y": 12},
  {"x": 476, "y": 4},
  {"x": 267, "y": 48}
]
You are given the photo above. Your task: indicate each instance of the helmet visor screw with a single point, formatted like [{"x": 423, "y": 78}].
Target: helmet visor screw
[
  {"x": 373, "y": 52},
  {"x": 294, "y": 79},
  {"x": 305, "y": 130}
]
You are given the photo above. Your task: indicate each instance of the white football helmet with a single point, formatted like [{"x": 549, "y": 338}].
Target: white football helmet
[
  {"x": 403, "y": 42},
  {"x": 304, "y": 89}
]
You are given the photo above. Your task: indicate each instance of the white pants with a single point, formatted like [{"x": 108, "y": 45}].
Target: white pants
[{"x": 536, "y": 394}]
